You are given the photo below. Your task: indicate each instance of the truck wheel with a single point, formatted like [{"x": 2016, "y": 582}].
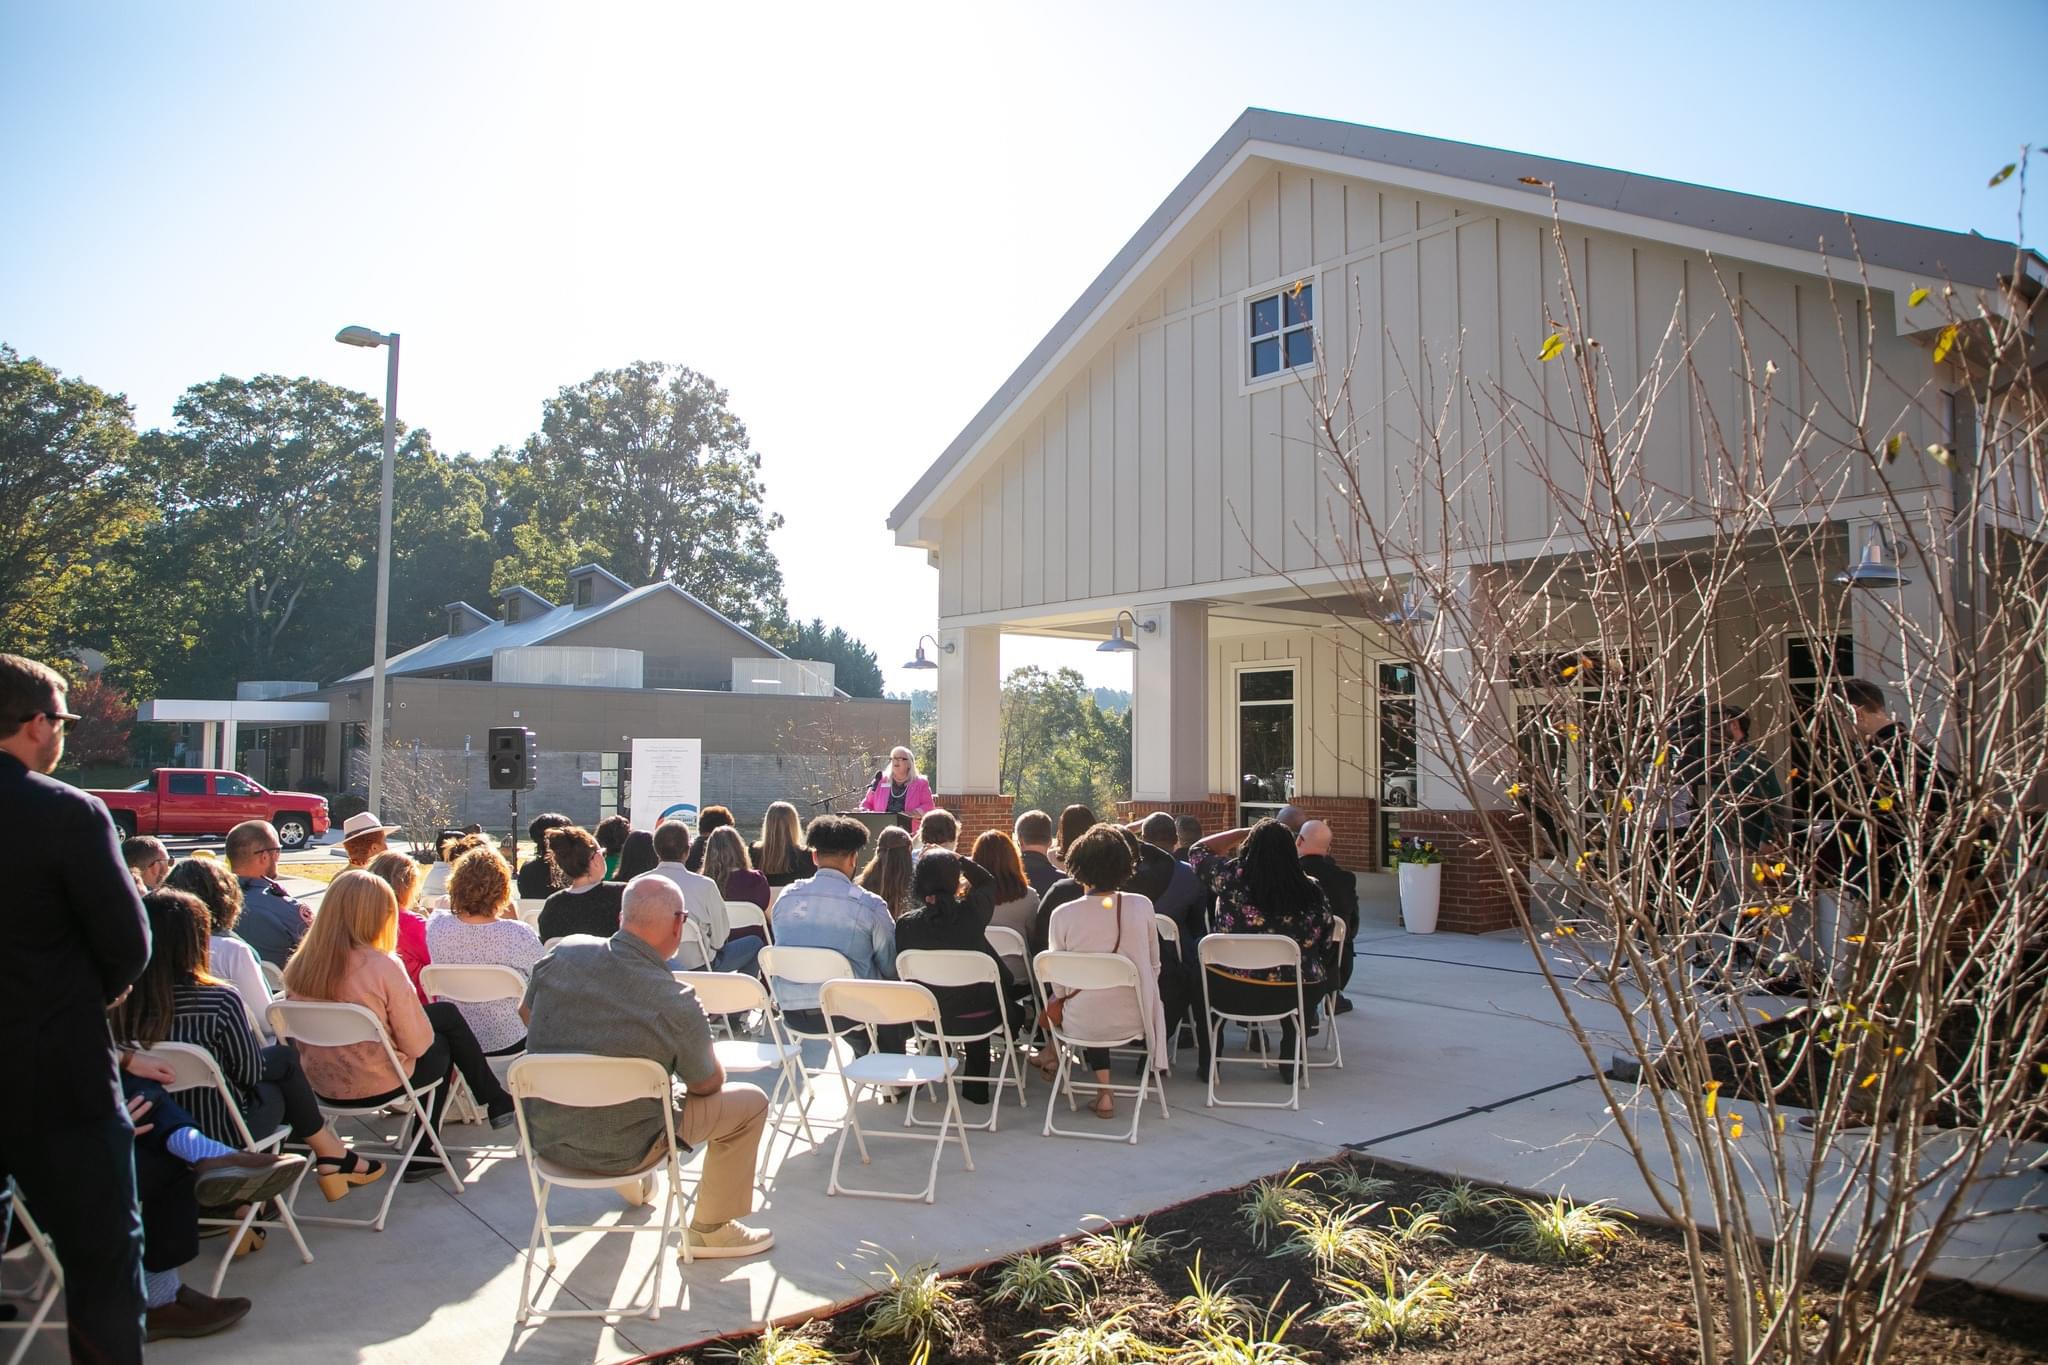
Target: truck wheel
[
  {"x": 125, "y": 822},
  {"x": 292, "y": 830}
]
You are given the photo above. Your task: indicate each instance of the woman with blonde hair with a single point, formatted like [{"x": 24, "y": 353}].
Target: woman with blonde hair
[
  {"x": 726, "y": 863},
  {"x": 888, "y": 873},
  {"x": 482, "y": 927},
  {"x": 781, "y": 856},
  {"x": 900, "y": 788},
  {"x": 403, "y": 873},
  {"x": 347, "y": 957}
]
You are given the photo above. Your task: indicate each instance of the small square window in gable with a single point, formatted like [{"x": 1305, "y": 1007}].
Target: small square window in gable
[{"x": 1281, "y": 328}]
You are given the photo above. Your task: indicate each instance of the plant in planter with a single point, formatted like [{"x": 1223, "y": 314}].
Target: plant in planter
[{"x": 1420, "y": 869}]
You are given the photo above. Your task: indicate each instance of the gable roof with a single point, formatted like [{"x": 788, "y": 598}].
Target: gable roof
[
  {"x": 477, "y": 646},
  {"x": 1774, "y": 228}
]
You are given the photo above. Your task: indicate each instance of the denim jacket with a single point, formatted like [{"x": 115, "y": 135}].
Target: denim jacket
[{"x": 828, "y": 911}]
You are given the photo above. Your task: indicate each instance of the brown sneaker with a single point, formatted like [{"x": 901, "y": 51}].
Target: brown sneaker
[
  {"x": 243, "y": 1178},
  {"x": 193, "y": 1314}
]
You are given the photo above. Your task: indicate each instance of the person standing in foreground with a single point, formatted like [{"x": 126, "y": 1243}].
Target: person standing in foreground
[{"x": 72, "y": 941}]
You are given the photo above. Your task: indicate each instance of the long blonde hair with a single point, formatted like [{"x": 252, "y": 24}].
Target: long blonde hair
[
  {"x": 888, "y": 872},
  {"x": 782, "y": 838},
  {"x": 358, "y": 911},
  {"x": 402, "y": 871},
  {"x": 724, "y": 854}
]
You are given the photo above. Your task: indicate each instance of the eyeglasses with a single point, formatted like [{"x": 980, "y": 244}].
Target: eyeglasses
[{"x": 57, "y": 718}]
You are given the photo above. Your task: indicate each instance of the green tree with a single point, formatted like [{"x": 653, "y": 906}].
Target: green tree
[
  {"x": 645, "y": 470},
  {"x": 67, "y": 490},
  {"x": 1056, "y": 746},
  {"x": 856, "y": 670}
]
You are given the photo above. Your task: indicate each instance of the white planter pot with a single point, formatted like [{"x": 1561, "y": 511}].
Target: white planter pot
[{"x": 1422, "y": 886}]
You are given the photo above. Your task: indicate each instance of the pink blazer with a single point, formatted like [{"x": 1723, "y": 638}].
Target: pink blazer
[{"x": 917, "y": 798}]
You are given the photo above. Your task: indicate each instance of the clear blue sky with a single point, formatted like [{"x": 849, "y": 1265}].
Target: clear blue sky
[{"x": 858, "y": 218}]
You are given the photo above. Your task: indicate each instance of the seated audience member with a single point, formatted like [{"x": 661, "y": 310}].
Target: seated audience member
[
  {"x": 703, "y": 901},
  {"x": 829, "y": 911},
  {"x": 402, "y": 874},
  {"x": 611, "y": 837},
  {"x": 364, "y": 836},
  {"x": 1103, "y": 919},
  {"x": 536, "y": 874},
  {"x": 1033, "y": 832},
  {"x": 587, "y": 903},
  {"x": 1176, "y": 893},
  {"x": 149, "y": 862},
  {"x": 1263, "y": 890},
  {"x": 348, "y": 957},
  {"x": 726, "y": 864},
  {"x": 228, "y": 958},
  {"x": 1341, "y": 887},
  {"x": 1075, "y": 821},
  {"x": 272, "y": 921},
  {"x": 177, "y": 1001},
  {"x": 938, "y": 830},
  {"x": 636, "y": 856},
  {"x": 709, "y": 819},
  {"x": 1187, "y": 833},
  {"x": 1015, "y": 904},
  {"x": 888, "y": 871},
  {"x": 943, "y": 918},
  {"x": 619, "y": 999},
  {"x": 480, "y": 927},
  {"x": 781, "y": 856}
]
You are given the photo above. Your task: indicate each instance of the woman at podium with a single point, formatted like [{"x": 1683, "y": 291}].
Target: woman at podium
[{"x": 900, "y": 788}]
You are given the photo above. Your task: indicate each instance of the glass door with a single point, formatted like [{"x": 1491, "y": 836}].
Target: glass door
[
  {"x": 1266, "y": 740},
  {"x": 1397, "y": 767}
]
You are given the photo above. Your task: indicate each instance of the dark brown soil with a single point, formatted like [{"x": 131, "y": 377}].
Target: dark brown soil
[{"x": 1635, "y": 1305}]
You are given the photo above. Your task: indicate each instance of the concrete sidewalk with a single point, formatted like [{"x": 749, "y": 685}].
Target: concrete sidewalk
[{"x": 1456, "y": 1059}]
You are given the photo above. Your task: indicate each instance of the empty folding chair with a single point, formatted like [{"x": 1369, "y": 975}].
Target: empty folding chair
[
  {"x": 471, "y": 984},
  {"x": 747, "y": 915},
  {"x": 872, "y": 1005},
  {"x": 47, "y": 1287},
  {"x": 808, "y": 967},
  {"x": 1245, "y": 953},
  {"x": 1326, "y": 1008},
  {"x": 586, "y": 1081},
  {"x": 1062, "y": 973},
  {"x": 723, "y": 993},
  {"x": 331, "y": 1024},
  {"x": 529, "y": 911},
  {"x": 940, "y": 968},
  {"x": 196, "y": 1069},
  {"x": 1009, "y": 946}
]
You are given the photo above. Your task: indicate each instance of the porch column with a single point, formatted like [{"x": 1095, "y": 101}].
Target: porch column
[
  {"x": 230, "y": 735},
  {"x": 970, "y": 724},
  {"x": 1170, "y": 705},
  {"x": 209, "y": 734}
]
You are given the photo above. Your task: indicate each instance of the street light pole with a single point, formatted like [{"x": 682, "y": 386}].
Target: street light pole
[{"x": 363, "y": 336}]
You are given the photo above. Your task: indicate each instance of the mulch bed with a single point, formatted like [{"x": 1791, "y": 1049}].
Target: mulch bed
[{"x": 1634, "y": 1305}]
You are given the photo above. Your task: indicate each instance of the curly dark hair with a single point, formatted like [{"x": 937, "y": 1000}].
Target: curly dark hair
[
  {"x": 611, "y": 834},
  {"x": 217, "y": 888},
  {"x": 571, "y": 851},
  {"x": 1100, "y": 859}
]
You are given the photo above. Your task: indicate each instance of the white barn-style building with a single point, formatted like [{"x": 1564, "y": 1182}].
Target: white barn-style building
[{"x": 1151, "y": 453}]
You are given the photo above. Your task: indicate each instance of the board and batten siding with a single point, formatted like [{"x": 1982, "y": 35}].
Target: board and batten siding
[
  {"x": 1335, "y": 744},
  {"x": 1154, "y": 469}
]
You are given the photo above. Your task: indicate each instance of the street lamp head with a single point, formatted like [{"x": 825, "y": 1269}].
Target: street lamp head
[
  {"x": 360, "y": 336},
  {"x": 1118, "y": 642}
]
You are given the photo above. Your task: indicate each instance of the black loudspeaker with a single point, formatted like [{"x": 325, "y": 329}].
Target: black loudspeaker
[{"x": 513, "y": 758}]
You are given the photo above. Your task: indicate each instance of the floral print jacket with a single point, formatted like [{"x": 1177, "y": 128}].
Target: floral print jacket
[{"x": 1310, "y": 925}]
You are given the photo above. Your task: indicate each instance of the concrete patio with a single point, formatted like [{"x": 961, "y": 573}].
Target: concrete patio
[{"x": 1455, "y": 1060}]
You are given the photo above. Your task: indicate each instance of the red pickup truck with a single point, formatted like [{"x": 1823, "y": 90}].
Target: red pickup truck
[{"x": 210, "y": 801}]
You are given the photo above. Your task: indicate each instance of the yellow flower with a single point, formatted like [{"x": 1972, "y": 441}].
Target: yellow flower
[
  {"x": 1853, "y": 938},
  {"x": 1780, "y": 1123},
  {"x": 1662, "y": 754},
  {"x": 1752, "y": 911},
  {"x": 1713, "y": 1097},
  {"x": 1514, "y": 791},
  {"x": 1791, "y": 772},
  {"x": 1571, "y": 731},
  {"x": 1566, "y": 929},
  {"x": 1627, "y": 805},
  {"x": 1898, "y": 1052},
  {"x": 1867, "y": 1081},
  {"x": 1570, "y": 669},
  {"x": 1781, "y": 910},
  {"x": 1579, "y": 864},
  {"x": 1756, "y": 870},
  {"x": 1777, "y": 869},
  {"x": 1735, "y": 1125},
  {"x": 1884, "y": 803}
]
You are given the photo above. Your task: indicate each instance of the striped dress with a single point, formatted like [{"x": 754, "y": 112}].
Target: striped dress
[{"x": 212, "y": 1017}]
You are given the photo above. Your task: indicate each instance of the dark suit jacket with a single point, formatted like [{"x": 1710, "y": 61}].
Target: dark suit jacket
[
  {"x": 1039, "y": 871},
  {"x": 72, "y": 938},
  {"x": 1340, "y": 886}
]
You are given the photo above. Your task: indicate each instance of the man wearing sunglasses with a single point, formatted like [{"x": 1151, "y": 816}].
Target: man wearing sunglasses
[{"x": 72, "y": 940}]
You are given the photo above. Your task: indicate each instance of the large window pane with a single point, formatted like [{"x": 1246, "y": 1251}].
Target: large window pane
[
  {"x": 1300, "y": 304},
  {"x": 1265, "y": 357},
  {"x": 1301, "y": 348},
  {"x": 1266, "y": 684},
  {"x": 1265, "y": 746},
  {"x": 1265, "y": 315}
]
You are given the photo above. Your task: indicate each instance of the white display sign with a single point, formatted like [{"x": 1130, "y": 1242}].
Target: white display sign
[{"x": 668, "y": 781}]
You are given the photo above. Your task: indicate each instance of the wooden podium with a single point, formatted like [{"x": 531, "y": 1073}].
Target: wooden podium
[{"x": 878, "y": 820}]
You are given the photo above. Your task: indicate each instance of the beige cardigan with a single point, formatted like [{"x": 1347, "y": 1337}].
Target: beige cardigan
[
  {"x": 1086, "y": 926},
  {"x": 378, "y": 982}
]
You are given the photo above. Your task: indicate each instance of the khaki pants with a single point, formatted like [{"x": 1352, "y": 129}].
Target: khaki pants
[{"x": 730, "y": 1122}]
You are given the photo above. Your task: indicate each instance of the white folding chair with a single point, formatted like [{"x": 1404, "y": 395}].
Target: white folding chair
[
  {"x": 273, "y": 977},
  {"x": 806, "y": 967},
  {"x": 1062, "y": 973},
  {"x": 585, "y": 1080},
  {"x": 1009, "y": 946},
  {"x": 1169, "y": 933},
  {"x": 471, "y": 984},
  {"x": 725, "y": 993},
  {"x": 851, "y": 1004},
  {"x": 331, "y": 1024},
  {"x": 46, "y": 1289},
  {"x": 529, "y": 911},
  {"x": 1333, "y": 1046},
  {"x": 196, "y": 1069},
  {"x": 1240, "y": 953},
  {"x": 938, "y": 968},
  {"x": 747, "y": 915}
]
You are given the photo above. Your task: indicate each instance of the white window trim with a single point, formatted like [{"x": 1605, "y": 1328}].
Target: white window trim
[
  {"x": 1237, "y": 670},
  {"x": 1243, "y": 340}
]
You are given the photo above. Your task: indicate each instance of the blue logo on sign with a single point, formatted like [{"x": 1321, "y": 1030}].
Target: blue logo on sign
[{"x": 681, "y": 810}]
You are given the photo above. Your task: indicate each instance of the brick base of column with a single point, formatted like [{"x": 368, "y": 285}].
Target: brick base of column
[
  {"x": 1217, "y": 811},
  {"x": 1476, "y": 898},
  {"x": 977, "y": 814}
]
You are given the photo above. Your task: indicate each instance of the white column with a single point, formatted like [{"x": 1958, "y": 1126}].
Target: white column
[
  {"x": 970, "y": 710},
  {"x": 1478, "y": 725},
  {"x": 209, "y": 734},
  {"x": 229, "y": 735},
  {"x": 1170, "y": 703}
]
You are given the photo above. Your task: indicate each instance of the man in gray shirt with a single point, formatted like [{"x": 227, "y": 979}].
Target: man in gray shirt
[{"x": 616, "y": 997}]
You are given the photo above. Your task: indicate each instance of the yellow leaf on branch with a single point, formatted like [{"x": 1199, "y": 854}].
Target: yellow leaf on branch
[
  {"x": 1944, "y": 343},
  {"x": 1917, "y": 297},
  {"x": 1553, "y": 347}
]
